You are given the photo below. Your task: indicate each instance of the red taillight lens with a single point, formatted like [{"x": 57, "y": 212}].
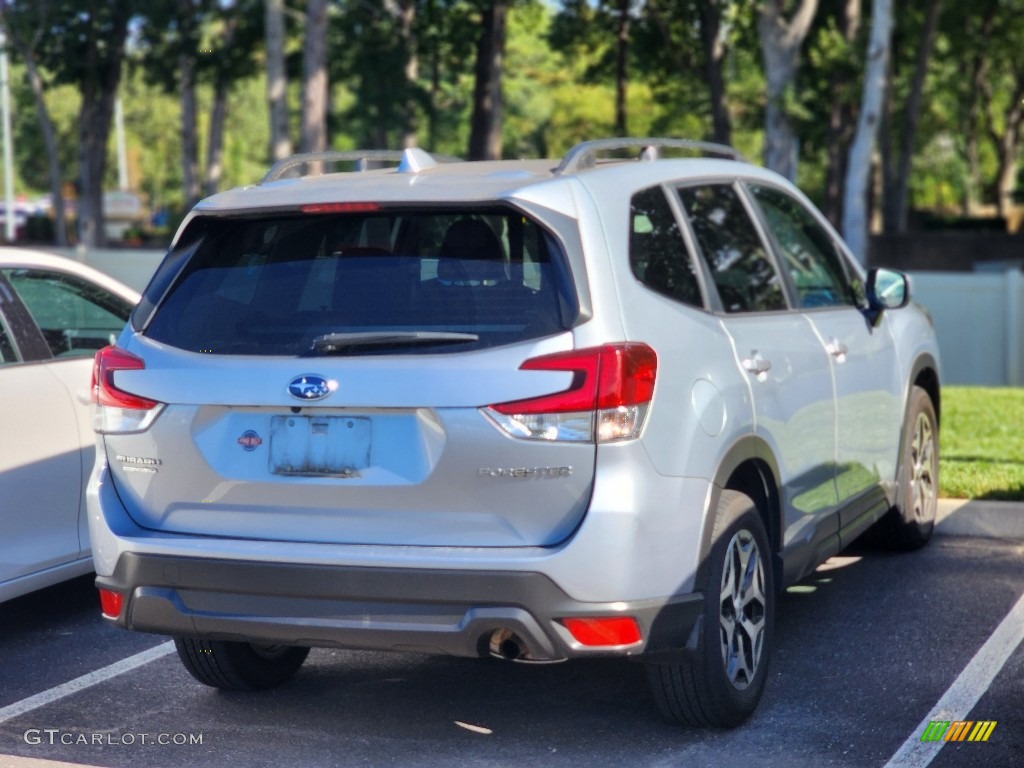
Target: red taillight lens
[
  {"x": 606, "y": 631},
  {"x": 107, "y": 361},
  {"x": 609, "y": 392},
  {"x": 110, "y": 603},
  {"x": 117, "y": 410}
]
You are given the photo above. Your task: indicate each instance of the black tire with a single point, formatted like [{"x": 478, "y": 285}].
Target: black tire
[
  {"x": 234, "y": 666},
  {"x": 910, "y": 523},
  {"x": 720, "y": 684}
]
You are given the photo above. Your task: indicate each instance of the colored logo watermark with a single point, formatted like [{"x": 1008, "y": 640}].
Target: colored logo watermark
[{"x": 958, "y": 730}]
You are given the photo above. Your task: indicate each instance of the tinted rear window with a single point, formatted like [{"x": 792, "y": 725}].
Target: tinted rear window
[{"x": 276, "y": 285}]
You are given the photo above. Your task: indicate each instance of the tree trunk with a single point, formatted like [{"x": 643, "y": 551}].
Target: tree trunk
[
  {"x": 35, "y": 80},
  {"x": 841, "y": 118},
  {"x": 215, "y": 142},
  {"x": 485, "y": 125},
  {"x": 1006, "y": 146},
  {"x": 189, "y": 129},
  {"x": 855, "y": 207},
  {"x": 99, "y": 92},
  {"x": 781, "y": 40},
  {"x": 979, "y": 83},
  {"x": 277, "y": 80},
  {"x": 411, "y": 71},
  {"x": 314, "y": 79},
  {"x": 714, "y": 62},
  {"x": 895, "y": 205},
  {"x": 622, "y": 70}
]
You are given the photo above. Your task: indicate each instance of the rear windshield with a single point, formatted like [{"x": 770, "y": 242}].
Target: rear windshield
[{"x": 359, "y": 283}]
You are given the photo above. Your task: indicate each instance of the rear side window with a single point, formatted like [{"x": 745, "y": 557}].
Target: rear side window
[
  {"x": 657, "y": 251},
  {"x": 743, "y": 272},
  {"x": 361, "y": 283},
  {"x": 76, "y": 317}
]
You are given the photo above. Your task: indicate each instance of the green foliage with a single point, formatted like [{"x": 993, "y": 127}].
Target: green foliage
[{"x": 982, "y": 446}]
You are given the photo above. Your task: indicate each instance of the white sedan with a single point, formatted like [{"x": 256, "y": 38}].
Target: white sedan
[{"x": 54, "y": 314}]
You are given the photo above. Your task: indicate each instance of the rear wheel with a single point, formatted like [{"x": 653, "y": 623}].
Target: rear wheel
[
  {"x": 235, "y": 666},
  {"x": 910, "y": 523},
  {"x": 721, "y": 683}
]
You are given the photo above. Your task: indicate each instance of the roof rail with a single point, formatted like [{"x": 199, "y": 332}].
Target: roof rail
[
  {"x": 584, "y": 155},
  {"x": 410, "y": 160}
]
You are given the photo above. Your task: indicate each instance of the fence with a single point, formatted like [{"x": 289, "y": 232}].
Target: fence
[{"x": 978, "y": 320}]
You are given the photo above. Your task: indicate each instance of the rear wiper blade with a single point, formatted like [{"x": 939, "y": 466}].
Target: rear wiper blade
[{"x": 336, "y": 342}]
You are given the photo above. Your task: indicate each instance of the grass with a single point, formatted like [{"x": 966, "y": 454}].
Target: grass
[{"x": 982, "y": 443}]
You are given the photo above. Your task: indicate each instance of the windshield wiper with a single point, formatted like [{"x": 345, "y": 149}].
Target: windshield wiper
[{"x": 338, "y": 342}]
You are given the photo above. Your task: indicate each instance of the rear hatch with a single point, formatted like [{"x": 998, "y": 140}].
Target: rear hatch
[{"x": 325, "y": 377}]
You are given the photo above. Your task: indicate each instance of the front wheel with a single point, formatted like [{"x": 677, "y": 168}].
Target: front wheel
[
  {"x": 233, "y": 666},
  {"x": 910, "y": 523},
  {"x": 721, "y": 684}
]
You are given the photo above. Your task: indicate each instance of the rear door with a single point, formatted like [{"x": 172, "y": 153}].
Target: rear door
[
  {"x": 326, "y": 379},
  {"x": 40, "y": 462},
  {"x": 780, "y": 353}
]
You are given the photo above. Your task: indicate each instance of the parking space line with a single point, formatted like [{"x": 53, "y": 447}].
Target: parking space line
[
  {"x": 965, "y": 692},
  {"x": 85, "y": 681}
]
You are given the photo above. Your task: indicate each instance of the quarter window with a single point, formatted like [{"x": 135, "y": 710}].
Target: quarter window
[
  {"x": 808, "y": 251},
  {"x": 657, "y": 252},
  {"x": 741, "y": 268}
]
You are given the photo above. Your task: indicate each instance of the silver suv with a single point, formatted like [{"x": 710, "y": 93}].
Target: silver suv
[{"x": 535, "y": 410}]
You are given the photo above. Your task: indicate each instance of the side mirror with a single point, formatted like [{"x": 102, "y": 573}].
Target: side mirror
[{"x": 887, "y": 289}]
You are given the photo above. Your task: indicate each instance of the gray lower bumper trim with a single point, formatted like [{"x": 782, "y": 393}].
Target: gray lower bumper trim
[{"x": 431, "y": 611}]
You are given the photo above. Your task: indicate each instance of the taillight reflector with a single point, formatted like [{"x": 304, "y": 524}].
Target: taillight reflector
[
  {"x": 110, "y": 603},
  {"x": 604, "y": 631}
]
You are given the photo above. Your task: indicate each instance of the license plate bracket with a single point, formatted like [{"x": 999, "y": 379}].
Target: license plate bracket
[{"x": 320, "y": 446}]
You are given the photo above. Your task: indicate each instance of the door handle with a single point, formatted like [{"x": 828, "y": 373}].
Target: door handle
[
  {"x": 837, "y": 349},
  {"x": 757, "y": 363}
]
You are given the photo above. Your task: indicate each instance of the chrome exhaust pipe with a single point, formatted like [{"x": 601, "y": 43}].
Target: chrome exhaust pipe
[{"x": 508, "y": 646}]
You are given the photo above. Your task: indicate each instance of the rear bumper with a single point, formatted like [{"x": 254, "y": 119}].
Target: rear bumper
[{"x": 454, "y": 612}]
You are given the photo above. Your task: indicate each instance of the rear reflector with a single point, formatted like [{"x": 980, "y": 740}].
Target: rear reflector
[
  {"x": 607, "y": 399},
  {"x": 604, "y": 631},
  {"x": 110, "y": 603}
]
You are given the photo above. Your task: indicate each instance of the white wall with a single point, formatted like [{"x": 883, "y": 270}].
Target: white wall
[
  {"x": 978, "y": 319},
  {"x": 133, "y": 267}
]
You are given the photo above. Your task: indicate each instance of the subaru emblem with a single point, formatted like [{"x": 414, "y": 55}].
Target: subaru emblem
[{"x": 310, "y": 386}]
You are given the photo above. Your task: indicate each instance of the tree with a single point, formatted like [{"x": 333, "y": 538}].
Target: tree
[
  {"x": 277, "y": 80},
  {"x": 85, "y": 46},
  {"x": 842, "y": 111},
  {"x": 26, "y": 27},
  {"x": 781, "y": 40},
  {"x": 896, "y": 165},
  {"x": 234, "y": 36},
  {"x": 314, "y": 78},
  {"x": 855, "y": 213},
  {"x": 485, "y": 124}
]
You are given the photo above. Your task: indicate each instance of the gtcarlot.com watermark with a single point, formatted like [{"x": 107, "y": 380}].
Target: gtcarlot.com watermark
[{"x": 51, "y": 736}]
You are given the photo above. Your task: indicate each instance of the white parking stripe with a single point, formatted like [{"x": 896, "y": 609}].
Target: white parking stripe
[
  {"x": 85, "y": 681},
  {"x": 958, "y": 701}
]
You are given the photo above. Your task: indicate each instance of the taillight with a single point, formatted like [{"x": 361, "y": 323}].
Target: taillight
[
  {"x": 607, "y": 400},
  {"x": 116, "y": 409}
]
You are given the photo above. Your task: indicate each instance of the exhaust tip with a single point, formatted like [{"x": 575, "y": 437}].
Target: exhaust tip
[{"x": 506, "y": 645}]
